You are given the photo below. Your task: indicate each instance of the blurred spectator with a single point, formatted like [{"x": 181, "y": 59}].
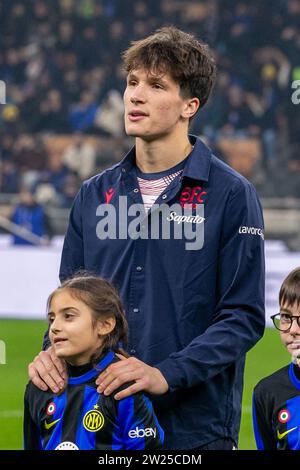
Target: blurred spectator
[
  {"x": 80, "y": 156},
  {"x": 110, "y": 116},
  {"x": 53, "y": 114},
  {"x": 32, "y": 216},
  {"x": 30, "y": 158},
  {"x": 238, "y": 118},
  {"x": 9, "y": 177},
  {"x": 6, "y": 149},
  {"x": 82, "y": 114},
  {"x": 56, "y": 173},
  {"x": 70, "y": 189}
]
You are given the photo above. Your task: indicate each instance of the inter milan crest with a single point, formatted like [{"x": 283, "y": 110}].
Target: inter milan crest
[{"x": 93, "y": 420}]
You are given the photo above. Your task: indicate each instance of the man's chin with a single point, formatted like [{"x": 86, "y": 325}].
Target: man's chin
[{"x": 134, "y": 133}]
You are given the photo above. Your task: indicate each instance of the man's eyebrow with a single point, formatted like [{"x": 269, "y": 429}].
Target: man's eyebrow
[
  {"x": 131, "y": 75},
  {"x": 151, "y": 77},
  {"x": 156, "y": 78}
]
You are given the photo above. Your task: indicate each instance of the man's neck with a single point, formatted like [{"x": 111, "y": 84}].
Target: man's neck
[{"x": 160, "y": 155}]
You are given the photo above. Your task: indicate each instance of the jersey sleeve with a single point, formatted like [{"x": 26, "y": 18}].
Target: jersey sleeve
[
  {"x": 137, "y": 424},
  {"x": 262, "y": 422},
  {"x": 30, "y": 428}
]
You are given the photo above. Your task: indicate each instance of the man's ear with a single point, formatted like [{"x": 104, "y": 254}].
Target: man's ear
[
  {"x": 190, "y": 108},
  {"x": 106, "y": 326}
]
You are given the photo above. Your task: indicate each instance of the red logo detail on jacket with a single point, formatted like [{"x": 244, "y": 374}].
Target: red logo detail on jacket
[
  {"x": 192, "y": 196},
  {"x": 109, "y": 194}
]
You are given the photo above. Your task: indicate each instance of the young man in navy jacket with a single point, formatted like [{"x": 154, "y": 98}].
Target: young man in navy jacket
[{"x": 194, "y": 306}]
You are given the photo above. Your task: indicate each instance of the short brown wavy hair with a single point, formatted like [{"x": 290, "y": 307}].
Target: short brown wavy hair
[{"x": 169, "y": 50}]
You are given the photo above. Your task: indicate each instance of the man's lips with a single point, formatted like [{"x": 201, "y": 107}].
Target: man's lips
[{"x": 136, "y": 115}]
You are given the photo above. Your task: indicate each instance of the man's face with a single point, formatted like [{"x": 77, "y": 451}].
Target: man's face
[
  {"x": 291, "y": 338},
  {"x": 153, "y": 105}
]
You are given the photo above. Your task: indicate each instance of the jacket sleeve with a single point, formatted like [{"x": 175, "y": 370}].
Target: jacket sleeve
[
  {"x": 239, "y": 318},
  {"x": 30, "y": 428},
  {"x": 138, "y": 425},
  {"x": 262, "y": 423},
  {"x": 72, "y": 258}
]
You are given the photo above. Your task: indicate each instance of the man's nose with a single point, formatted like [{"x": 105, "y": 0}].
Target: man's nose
[{"x": 138, "y": 95}]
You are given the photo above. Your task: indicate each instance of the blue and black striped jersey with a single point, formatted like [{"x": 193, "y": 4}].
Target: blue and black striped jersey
[
  {"x": 82, "y": 419},
  {"x": 276, "y": 410}
]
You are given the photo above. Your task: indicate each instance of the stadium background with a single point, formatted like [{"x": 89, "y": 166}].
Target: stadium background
[{"x": 61, "y": 121}]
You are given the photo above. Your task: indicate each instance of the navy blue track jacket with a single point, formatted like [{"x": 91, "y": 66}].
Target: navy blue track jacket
[
  {"x": 193, "y": 314},
  {"x": 82, "y": 419}
]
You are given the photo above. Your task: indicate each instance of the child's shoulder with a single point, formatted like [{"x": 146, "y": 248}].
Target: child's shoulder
[
  {"x": 34, "y": 395},
  {"x": 272, "y": 381},
  {"x": 31, "y": 389}
]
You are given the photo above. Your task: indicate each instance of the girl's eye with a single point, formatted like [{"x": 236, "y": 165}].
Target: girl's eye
[
  {"x": 50, "y": 319},
  {"x": 157, "y": 86},
  {"x": 68, "y": 316}
]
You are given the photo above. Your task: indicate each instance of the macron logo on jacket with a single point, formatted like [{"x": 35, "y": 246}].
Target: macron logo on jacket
[{"x": 109, "y": 194}]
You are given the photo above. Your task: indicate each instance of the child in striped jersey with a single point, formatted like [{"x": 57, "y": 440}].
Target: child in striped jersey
[
  {"x": 86, "y": 326},
  {"x": 276, "y": 398}
]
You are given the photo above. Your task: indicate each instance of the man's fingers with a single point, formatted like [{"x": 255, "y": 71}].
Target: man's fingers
[
  {"x": 55, "y": 368},
  {"x": 44, "y": 357},
  {"x": 137, "y": 387},
  {"x": 123, "y": 358},
  {"x": 42, "y": 378},
  {"x": 118, "y": 381},
  {"x": 115, "y": 370},
  {"x": 60, "y": 366},
  {"x": 35, "y": 379},
  {"x": 46, "y": 371},
  {"x": 106, "y": 378},
  {"x": 39, "y": 383},
  {"x": 50, "y": 377}
]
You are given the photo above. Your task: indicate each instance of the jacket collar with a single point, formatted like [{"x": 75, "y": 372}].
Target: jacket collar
[{"x": 197, "y": 166}]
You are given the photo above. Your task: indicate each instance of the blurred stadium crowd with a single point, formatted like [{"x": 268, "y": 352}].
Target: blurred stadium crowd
[{"x": 61, "y": 63}]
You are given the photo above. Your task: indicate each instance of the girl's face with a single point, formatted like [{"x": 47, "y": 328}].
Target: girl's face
[{"x": 72, "y": 333}]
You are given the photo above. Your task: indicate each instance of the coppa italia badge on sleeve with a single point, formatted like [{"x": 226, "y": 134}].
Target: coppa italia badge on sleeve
[
  {"x": 284, "y": 416},
  {"x": 50, "y": 410}
]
